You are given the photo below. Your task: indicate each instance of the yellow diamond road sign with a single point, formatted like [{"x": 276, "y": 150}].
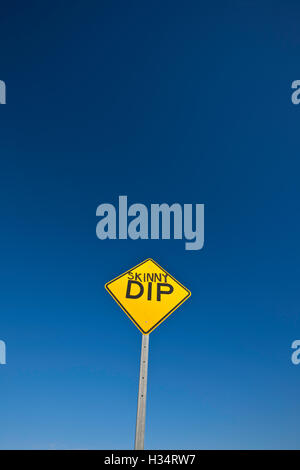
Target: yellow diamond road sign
[{"x": 147, "y": 294}]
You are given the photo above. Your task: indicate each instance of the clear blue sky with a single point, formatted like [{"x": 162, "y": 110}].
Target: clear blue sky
[{"x": 163, "y": 101}]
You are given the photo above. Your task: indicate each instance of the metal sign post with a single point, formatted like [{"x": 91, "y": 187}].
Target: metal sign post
[
  {"x": 148, "y": 294},
  {"x": 141, "y": 406}
]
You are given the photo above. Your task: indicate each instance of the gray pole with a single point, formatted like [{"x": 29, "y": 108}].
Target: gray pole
[{"x": 141, "y": 407}]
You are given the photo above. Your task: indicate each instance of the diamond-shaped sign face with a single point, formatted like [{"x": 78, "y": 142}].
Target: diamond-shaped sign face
[{"x": 147, "y": 294}]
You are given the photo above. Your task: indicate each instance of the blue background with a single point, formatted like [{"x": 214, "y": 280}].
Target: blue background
[{"x": 162, "y": 101}]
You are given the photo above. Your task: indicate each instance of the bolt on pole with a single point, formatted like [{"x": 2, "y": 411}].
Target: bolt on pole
[{"x": 141, "y": 407}]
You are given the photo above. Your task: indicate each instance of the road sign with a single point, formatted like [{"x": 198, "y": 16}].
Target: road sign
[{"x": 148, "y": 294}]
